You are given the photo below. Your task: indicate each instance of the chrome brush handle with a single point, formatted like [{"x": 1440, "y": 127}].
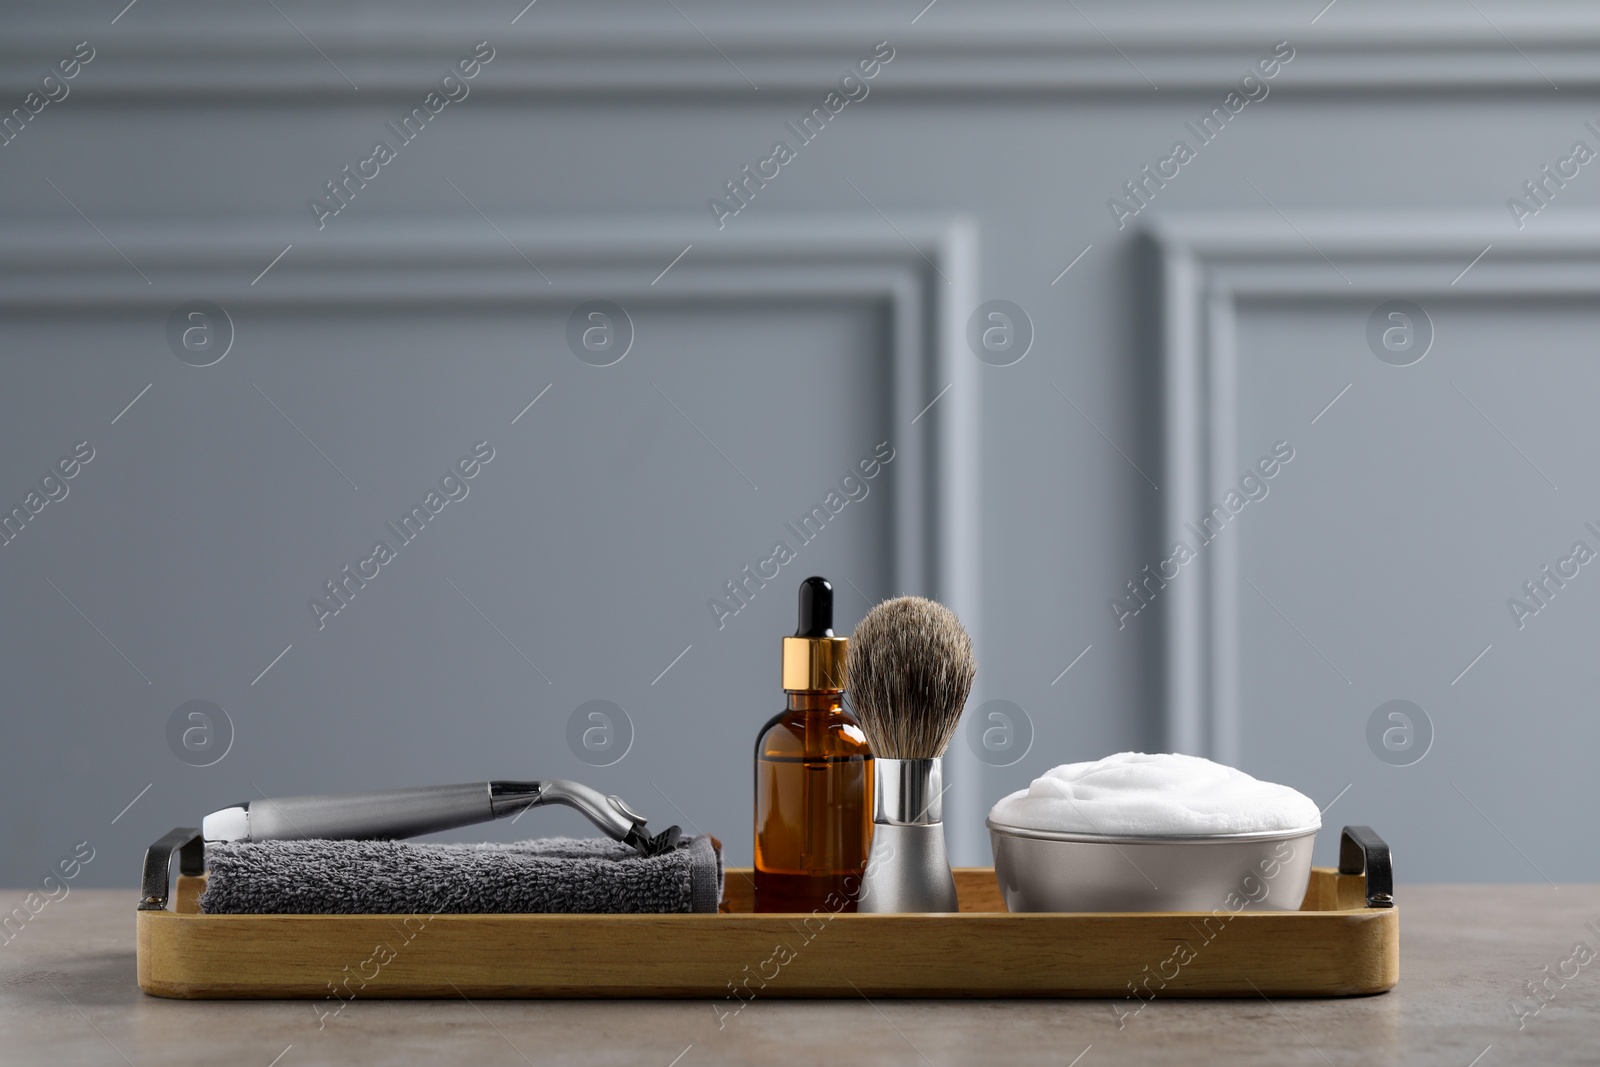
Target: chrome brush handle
[
  {"x": 907, "y": 870},
  {"x": 907, "y": 867}
]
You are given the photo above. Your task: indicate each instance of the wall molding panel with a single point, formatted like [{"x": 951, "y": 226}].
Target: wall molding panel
[
  {"x": 1208, "y": 263},
  {"x": 646, "y": 50},
  {"x": 926, "y": 274}
]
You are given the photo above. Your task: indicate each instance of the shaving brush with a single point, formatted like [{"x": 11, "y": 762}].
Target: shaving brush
[{"x": 910, "y": 669}]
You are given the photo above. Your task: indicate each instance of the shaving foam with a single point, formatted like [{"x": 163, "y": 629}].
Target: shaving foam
[{"x": 1135, "y": 794}]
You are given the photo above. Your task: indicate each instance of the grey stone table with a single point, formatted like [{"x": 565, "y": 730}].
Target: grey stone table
[{"x": 67, "y": 996}]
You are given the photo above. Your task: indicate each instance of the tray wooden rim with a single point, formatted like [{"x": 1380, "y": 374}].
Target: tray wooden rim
[{"x": 1335, "y": 946}]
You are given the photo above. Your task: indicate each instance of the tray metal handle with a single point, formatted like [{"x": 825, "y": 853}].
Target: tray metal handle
[
  {"x": 186, "y": 843},
  {"x": 1362, "y": 851}
]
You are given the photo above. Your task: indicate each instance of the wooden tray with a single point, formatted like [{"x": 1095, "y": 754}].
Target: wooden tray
[{"x": 1345, "y": 941}]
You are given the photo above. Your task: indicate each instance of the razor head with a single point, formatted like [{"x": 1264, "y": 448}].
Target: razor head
[{"x": 647, "y": 846}]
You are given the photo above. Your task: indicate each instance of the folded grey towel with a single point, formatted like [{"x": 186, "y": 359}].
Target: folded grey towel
[{"x": 558, "y": 874}]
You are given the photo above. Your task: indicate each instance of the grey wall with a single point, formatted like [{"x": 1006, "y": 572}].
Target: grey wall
[{"x": 776, "y": 354}]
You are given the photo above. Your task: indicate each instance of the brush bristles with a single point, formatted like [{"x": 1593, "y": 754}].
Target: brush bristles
[{"x": 910, "y": 669}]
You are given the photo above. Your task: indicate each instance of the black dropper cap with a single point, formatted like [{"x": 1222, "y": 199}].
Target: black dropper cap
[
  {"x": 816, "y": 608},
  {"x": 814, "y": 659}
]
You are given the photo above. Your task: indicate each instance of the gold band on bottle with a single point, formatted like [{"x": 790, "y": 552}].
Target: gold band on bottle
[{"x": 814, "y": 663}]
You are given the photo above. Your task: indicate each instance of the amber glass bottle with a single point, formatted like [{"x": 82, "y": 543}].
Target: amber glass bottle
[{"x": 813, "y": 776}]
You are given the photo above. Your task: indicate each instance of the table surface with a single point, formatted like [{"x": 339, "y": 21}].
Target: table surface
[{"x": 68, "y": 996}]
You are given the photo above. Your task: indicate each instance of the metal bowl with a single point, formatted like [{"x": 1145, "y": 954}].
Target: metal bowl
[{"x": 1043, "y": 871}]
